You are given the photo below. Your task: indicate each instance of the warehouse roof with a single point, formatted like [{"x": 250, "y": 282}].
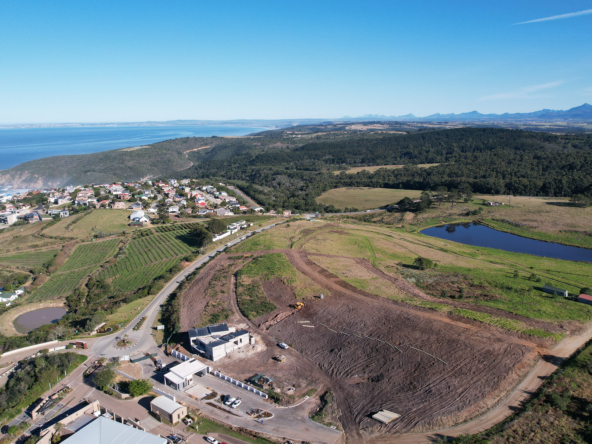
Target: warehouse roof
[
  {"x": 106, "y": 431},
  {"x": 166, "y": 404}
]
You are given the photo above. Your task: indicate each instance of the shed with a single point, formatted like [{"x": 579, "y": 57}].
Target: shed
[
  {"x": 585, "y": 299},
  {"x": 168, "y": 409},
  {"x": 385, "y": 416},
  {"x": 181, "y": 376},
  {"x": 555, "y": 291}
]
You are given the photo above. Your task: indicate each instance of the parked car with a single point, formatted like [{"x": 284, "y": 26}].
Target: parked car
[
  {"x": 211, "y": 440},
  {"x": 235, "y": 404},
  {"x": 229, "y": 400},
  {"x": 188, "y": 421},
  {"x": 283, "y": 345}
]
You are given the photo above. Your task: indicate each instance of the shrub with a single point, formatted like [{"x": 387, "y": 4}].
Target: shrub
[
  {"x": 139, "y": 387},
  {"x": 423, "y": 263},
  {"x": 104, "y": 378}
]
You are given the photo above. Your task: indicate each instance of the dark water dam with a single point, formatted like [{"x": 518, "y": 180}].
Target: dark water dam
[
  {"x": 482, "y": 236},
  {"x": 36, "y": 318}
]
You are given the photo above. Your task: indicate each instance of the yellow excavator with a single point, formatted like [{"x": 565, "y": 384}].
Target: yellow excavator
[{"x": 298, "y": 305}]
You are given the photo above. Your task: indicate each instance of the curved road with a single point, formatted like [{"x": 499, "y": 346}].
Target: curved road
[
  {"x": 507, "y": 406},
  {"x": 142, "y": 338}
]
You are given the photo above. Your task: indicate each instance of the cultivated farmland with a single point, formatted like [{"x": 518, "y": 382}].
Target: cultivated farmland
[
  {"x": 31, "y": 259},
  {"x": 61, "y": 284},
  {"x": 364, "y": 198},
  {"x": 148, "y": 256},
  {"x": 90, "y": 254}
]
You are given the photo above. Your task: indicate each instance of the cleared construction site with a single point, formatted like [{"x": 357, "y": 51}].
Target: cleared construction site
[{"x": 426, "y": 370}]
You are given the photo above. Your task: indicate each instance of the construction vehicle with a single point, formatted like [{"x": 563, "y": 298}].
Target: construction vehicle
[
  {"x": 298, "y": 305},
  {"x": 279, "y": 358}
]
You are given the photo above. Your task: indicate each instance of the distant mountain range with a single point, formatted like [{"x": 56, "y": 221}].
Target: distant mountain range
[{"x": 579, "y": 113}]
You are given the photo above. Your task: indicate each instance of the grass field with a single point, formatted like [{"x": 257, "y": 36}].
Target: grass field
[
  {"x": 128, "y": 312},
  {"x": 364, "y": 198},
  {"x": 487, "y": 276},
  {"x": 31, "y": 259},
  {"x": 108, "y": 221},
  {"x": 276, "y": 265},
  {"x": 206, "y": 426},
  {"x": 372, "y": 169},
  {"x": 24, "y": 237}
]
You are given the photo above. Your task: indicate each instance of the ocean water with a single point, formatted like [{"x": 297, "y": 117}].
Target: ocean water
[{"x": 18, "y": 145}]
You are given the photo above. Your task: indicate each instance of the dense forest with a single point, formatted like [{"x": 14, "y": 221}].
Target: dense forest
[{"x": 492, "y": 161}]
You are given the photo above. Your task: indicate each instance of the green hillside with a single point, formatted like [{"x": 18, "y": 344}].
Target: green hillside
[{"x": 159, "y": 159}]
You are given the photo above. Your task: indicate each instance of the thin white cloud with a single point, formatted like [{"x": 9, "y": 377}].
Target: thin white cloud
[
  {"x": 524, "y": 93},
  {"x": 558, "y": 17}
]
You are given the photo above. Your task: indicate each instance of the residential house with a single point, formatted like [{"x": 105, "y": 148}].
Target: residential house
[
  {"x": 224, "y": 212},
  {"x": 135, "y": 206},
  {"x": 31, "y": 217},
  {"x": 138, "y": 216},
  {"x": 64, "y": 198},
  {"x": 119, "y": 205},
  {"x": 173, "y": 209},
  {"x": 7, "y": 218}
]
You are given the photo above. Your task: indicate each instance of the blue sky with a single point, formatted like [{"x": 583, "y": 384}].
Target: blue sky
[{"x": 79, "y": 61}]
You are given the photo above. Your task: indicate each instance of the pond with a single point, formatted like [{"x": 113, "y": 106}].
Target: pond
[
  {"x": 482, "y": 236},
  {"x": 36, "y": 318}
]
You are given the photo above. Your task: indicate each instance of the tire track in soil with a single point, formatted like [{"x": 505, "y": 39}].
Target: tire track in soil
[
  {"x": 300, "y": 261},
  {"x": 322, "y": 369},
  {"x": 351, "y": 429}
]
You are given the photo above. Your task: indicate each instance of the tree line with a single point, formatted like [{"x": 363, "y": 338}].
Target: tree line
[{"x": 490, "y": 161}]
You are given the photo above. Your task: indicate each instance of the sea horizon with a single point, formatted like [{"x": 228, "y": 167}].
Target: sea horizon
[{"x": 20, "y": 145}]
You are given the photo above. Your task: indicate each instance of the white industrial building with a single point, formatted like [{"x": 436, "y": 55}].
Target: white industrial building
[
  {"x": 181, "y": 377},
  {"x": 217, "y": 341}
]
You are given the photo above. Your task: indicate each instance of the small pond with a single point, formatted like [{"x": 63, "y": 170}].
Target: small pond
[
  {"x": 36, "y": 318},
  {"x": 482, "y": 236}
]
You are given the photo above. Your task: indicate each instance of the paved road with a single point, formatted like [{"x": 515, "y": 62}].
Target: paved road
[
  {"x": 250, "y": 201},
  {"x": 142, "y": 338}
]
